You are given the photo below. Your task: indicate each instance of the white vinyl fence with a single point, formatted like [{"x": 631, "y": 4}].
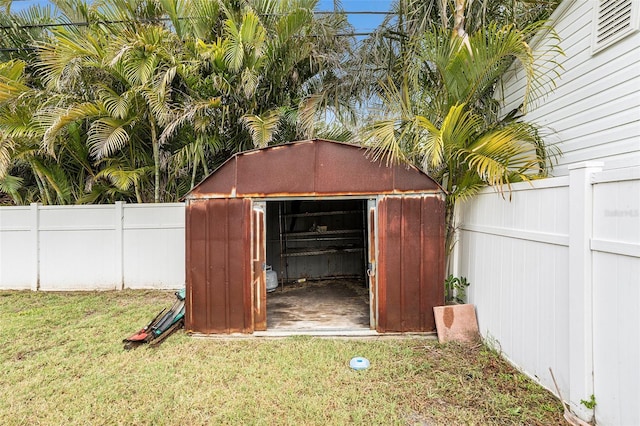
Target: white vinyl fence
[
  {"x": 94, "y": 247},
  {"x": 555, "y": 277}
]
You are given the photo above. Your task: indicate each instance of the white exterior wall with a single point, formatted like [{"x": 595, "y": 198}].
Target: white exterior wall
[
  {"x": 593, "y": 114},
  {"x": 556, "y": 284},
  {"x": 95, "y": 247}
]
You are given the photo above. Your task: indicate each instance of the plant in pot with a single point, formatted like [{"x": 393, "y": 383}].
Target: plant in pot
[{"x": 457, "y": 319}]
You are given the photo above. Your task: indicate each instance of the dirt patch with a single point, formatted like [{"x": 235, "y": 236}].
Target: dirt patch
[{"x": 325, "y": 304}]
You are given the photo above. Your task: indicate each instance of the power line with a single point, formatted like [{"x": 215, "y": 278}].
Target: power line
[
  {"x": 166, "y": 19},
  {"x": 31, "y": 48},
  {"x": 142, "y": 21},
  {"x": 84, "y": 24}
]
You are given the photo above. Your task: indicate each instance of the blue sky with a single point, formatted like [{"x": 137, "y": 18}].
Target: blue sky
[{"x": 361, "y": 23}]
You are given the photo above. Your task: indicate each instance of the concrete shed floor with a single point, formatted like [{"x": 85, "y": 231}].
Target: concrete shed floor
[{"x": 319, "y": 305}]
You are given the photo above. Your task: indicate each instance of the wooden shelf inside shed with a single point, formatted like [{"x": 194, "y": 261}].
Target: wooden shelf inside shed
[
  {"x": 334, "y": 229},
  {"x": 328, "y": 250}
]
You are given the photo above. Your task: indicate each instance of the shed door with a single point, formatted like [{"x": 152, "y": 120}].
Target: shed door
[
  {"x": 258, "y": 266},
  {"x": 411, "y": 262}
]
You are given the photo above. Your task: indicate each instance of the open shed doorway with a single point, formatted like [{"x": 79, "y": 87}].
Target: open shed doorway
[{"x": 318, "y": 250}]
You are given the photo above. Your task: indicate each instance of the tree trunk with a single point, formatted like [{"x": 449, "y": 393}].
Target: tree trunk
[
  {"x": 156, "y": 161},
  {"x": 443, "y": 14},
  {"x": 136, "y": 187},
  {"x": 450, "y": 231},
  {"x": 458, "y": 26}
]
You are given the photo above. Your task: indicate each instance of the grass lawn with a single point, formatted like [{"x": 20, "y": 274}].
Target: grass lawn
[{"x": 63, "y": 363}]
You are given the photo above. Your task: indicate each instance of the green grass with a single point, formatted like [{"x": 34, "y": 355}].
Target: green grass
[{"x": 63, "y": 363}]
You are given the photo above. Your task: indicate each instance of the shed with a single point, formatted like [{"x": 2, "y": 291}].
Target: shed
[{"x": 308, "y": 215}]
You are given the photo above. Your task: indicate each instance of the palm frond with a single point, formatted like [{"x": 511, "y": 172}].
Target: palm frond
[
  {"x": 11, "y": 185},
  {"x": 62, "y": 117},
  {"x": 121, "y": 178},
  {"x": 55, "y": 177},
  {"x": 262, "y": 128},
  {"x": 249, "y": 82},
  {"x": 383, "y": 142},
  {"x": 107, "y": 136},
  {"x": 202, "y": 18},
  {"x": 62, "y": 59},
  {"x": 117, "y": 105},
  {"x": 233, "y": 46},
  {"x": 307, "y": 111},
  {"x": 7, "y": 146},
  {"x": 11, "y": 80},
  {"x": 499, "y": 156},
  {"x": 19, "y": 122},
  {"x": 188, "y": 114}
]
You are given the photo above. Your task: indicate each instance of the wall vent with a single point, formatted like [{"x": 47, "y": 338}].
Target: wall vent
[{"x": 613, "y": 20}]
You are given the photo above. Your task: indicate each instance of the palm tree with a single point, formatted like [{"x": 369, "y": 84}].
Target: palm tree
[
  {"x": 385, "y": 52},
  {"x": 137, "y": 100},
  {"x": 120, "y": 80},
  {"x": 442, "y": 115},
  {"x": 267, "y": 73},
  {"x": 24, "y": 165}
]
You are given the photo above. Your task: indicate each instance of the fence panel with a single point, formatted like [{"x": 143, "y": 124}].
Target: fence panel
[
  {"x": 544, "y": 302},
  {"x": 95, "y": 247},
  {"x": 153, "y": 246},
  {"x": 616, "y": 286},
  {"x": 18, "y": 258},
  {"x": 76, "y": 247},
  {"x": 515, "y": 254}
]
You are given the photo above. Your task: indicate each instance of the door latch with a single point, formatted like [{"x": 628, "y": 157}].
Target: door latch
[{"x": 371, "y": 269}]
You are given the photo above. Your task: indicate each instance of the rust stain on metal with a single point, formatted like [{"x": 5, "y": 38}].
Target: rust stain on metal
[
  {"x": 218, "y": 267},
  {"x": 310, "y": 168},
  {"x": 224, "y": 245},
  {"x": 412, "y": 262}
]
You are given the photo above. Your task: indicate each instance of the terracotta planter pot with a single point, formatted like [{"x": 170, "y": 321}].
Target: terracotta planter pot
[{"x": 456, "y": 323}]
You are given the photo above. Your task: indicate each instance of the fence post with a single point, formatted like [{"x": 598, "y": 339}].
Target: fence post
[
  {"x": 119, "y": 245},
  {"x": 581, "y": 286},
  {"x": 35, "y": 245}
]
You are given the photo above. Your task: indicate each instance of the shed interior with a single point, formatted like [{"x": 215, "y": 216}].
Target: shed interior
[{"x": 318, "y": 249}]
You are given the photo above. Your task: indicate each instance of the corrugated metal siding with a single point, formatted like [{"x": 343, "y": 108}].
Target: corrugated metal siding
[
  {"x": 433, "y": 260},
  {"x": 310, "y": 168},
  {"x": 220, "y": 297},
  {"x": 345, "y": 168},
  {"x": 219, "y": 266},
  {"x": 411, "y": 262},
  {"x": 281, "y": 169}
]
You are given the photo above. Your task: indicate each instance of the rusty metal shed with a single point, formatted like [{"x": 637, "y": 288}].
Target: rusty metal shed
[{"x": 314, "y": 210}]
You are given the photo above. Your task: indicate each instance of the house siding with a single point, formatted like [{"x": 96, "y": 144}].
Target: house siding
[{"x": 593, "y": 114}]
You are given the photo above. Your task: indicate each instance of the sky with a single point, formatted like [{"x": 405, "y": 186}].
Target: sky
[{"x": 361, "y": 23}]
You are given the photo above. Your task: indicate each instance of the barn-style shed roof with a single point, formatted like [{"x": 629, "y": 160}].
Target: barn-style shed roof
[{"x": 315, "y": 167}]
